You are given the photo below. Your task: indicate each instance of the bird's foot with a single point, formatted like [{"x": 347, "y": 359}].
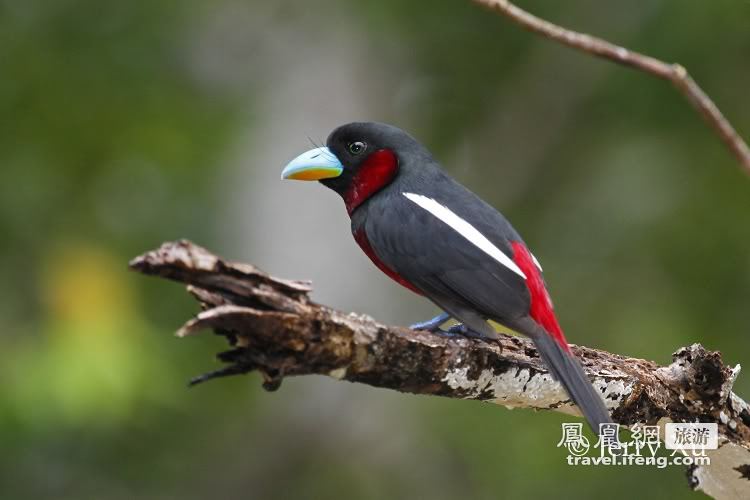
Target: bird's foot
[
  {"x": 446, "y": 333},
  {"x": 463, "y": 330},
  {"x": 432, "y": 325}
]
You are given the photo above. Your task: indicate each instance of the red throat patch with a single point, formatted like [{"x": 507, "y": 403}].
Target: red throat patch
[
  {"x": 361, "y": 238},
  {"x": 377, "y": 170},
  {"x": 541, "y": 305}
]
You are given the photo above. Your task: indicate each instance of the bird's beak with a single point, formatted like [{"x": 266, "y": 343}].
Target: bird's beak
[{"x": 314, "y": 165}]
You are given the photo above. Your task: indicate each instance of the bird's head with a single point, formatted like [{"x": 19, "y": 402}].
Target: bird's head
[{"x": 359, "y": 160}]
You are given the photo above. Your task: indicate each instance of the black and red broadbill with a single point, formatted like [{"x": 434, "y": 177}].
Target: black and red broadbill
[{"x": 438, "y": 239}]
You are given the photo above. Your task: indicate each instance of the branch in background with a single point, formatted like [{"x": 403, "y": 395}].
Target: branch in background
[
  {"x": 674, "y": 73},
  {"x": 275, "y": 329}
]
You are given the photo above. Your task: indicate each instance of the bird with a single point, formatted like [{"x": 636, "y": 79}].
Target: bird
[{"x": 438, "y": 239}]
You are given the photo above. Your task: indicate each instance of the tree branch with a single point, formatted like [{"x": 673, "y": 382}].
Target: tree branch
[
  {"x": 674, "y": 73},
  {"x": 275, "y": 329}
]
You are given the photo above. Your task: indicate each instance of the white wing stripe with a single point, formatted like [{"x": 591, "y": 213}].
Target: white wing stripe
[
  {"x": 465, "y": 229},
  {"x": 533, "y": 257}
]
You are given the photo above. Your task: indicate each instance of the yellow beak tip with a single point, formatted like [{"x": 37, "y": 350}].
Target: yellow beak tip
[{"x": 313, "y": 174}]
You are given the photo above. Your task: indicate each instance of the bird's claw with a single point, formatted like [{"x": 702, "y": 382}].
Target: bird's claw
[
  {"x": 445, "y": 333},
  {"x": 465, "y": 331},
  {"x": 461, "y": 329}
]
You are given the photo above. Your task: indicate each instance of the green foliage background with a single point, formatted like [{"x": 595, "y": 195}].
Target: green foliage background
[{"x": 123, "y": 124}]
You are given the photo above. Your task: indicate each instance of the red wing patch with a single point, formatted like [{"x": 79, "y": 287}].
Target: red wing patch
[
  {"x": 541, "y": 305},
  {"x": 361, "y": 238}
]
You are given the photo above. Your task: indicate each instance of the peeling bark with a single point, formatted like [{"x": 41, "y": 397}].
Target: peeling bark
[{"x": 275, "y": 329}]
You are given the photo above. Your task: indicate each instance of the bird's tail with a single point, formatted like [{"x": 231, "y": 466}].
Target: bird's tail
[{"x": 565, "y": 368}]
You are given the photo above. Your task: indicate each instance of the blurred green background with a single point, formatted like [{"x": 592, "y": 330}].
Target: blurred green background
[{"x": 124, "y": 124}]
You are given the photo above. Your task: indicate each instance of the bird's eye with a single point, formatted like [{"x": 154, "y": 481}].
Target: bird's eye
[{"x": 356, "y": 148}]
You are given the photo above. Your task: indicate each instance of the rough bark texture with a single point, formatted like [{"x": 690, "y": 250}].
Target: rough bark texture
[{"x": 274, "y": 328}]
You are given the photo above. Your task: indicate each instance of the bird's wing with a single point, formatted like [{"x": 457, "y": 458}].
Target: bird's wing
[{"x": 460, "y": 253}]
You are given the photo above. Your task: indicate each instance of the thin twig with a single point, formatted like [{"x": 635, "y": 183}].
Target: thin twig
[{"x": 674, "y": 73}]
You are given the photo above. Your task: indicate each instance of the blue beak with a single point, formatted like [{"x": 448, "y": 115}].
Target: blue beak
[{"x": 314, "y": 165}]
